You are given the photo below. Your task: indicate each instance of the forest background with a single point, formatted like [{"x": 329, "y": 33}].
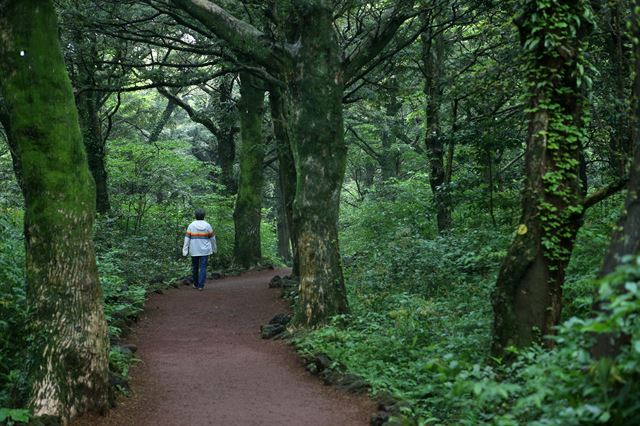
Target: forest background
[{"x": 437, "y": 122}]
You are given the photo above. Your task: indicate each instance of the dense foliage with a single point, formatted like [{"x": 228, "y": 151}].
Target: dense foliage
[{"x": 420, "y": 326}]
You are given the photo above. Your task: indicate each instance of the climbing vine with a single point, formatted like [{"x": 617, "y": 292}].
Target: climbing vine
[{"x": 556, "y": 67}]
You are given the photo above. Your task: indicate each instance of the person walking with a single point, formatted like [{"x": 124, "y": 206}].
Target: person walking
[{"x": 199, "y": 242}]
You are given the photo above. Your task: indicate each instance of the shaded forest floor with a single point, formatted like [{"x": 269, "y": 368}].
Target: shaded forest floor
[{"x": 203, "y": 363}]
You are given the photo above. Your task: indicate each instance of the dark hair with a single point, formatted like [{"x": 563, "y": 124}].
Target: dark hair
[{"x": 199, "y": 214}]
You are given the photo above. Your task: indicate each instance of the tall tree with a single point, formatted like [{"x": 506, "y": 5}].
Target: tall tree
[
  {"x": 68, "y": 355},
  {"x": 316, "y": 69},
  {"x": 433, "y": 51},
  {"x": 247, "y": 214},
  {"x": 527, "y": 300},
  {"x": 626, "y": 237}
]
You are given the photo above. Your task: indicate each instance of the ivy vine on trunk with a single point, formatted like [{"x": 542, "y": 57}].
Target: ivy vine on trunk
[{"x": 527, "y": 299}]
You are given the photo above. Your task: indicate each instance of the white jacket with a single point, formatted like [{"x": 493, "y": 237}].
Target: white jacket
[{"x": 199, "y": 239}]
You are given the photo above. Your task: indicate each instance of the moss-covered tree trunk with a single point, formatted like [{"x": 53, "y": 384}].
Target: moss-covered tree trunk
[
  {"x": 247, "y": 213},
  {"x": 281, "y": 119},
  {"x": 68, "y": 353},
  {"x": 319, "y": 152},
  {"x": 528, "y": 296},
  {"x": 433, "y": 63}
]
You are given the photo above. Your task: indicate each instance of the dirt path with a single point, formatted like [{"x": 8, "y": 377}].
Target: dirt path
[{"x": 204, "y": 363}]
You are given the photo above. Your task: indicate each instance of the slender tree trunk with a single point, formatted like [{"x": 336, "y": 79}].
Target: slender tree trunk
[
  {"x": 247, "y": 214},
  {"x": 620, "y": 133},
  {"x": 320, "y": 157},
  {"x": 281, "y": 118},
  {"x": 162, "y": 122},
  {"x": 90, "y": 123},
  {"x": 389, "y": 158},
  {"x": 226, "y": 137},
  {"x": 528, "y": 296},
  {"x": 68, "y": 353},
  {"x": 284, "y": 237},
  {"x": 88, "y": 103},
  {"x": 433, "y": 57}
]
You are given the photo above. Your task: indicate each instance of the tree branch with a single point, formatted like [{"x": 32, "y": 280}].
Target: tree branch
[
  {"x": 241, "y": 36},
  {"x": 193, "y": 114},
  {"x": 376, "y": 40},
  {"x": 604, "y": 193}
]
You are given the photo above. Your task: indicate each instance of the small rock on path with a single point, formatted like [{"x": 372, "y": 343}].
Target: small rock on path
[{"x": 204, "y": 363}]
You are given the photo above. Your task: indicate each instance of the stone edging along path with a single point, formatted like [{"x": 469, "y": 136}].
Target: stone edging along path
[{"x": 204, "y": 363}]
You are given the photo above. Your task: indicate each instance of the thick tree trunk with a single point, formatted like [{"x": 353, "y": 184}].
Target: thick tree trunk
[
  {"x": 247, "y": 214},
  {"x": 433, "y": 57},
  {"x": 320, "y": 158},
  {"x": 68, "y": 368},
  {"x": 528, "y": 296},
  {"x": 281, "y": 118}
]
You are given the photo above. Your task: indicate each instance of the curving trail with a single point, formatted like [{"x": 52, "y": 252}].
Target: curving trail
[{"x": 204, "y": 363}]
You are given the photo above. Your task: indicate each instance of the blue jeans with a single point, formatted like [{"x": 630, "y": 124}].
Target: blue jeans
[{"x": 199, "y": 270}]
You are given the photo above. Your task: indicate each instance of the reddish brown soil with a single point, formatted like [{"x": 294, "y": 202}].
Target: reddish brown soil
[{"x": 204, "y": 363}]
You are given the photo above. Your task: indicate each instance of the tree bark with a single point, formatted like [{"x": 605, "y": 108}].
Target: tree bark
[
  {"x": 320, "y": 153},
  {"x": 68, "y": 353},
  {"x": 247, "y": 214},
  {"x": 433, "y": 57},
  {"x": 528, "y": 297},
  {"x": 281, "y": 119},
  {"x": 226, "y": 135}
]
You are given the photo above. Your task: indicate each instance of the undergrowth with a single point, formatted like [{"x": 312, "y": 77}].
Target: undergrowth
[{"x": 421, "y": 318}]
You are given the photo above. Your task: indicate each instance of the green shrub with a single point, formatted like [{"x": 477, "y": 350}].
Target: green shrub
[{"x": 13, "y": 311}]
